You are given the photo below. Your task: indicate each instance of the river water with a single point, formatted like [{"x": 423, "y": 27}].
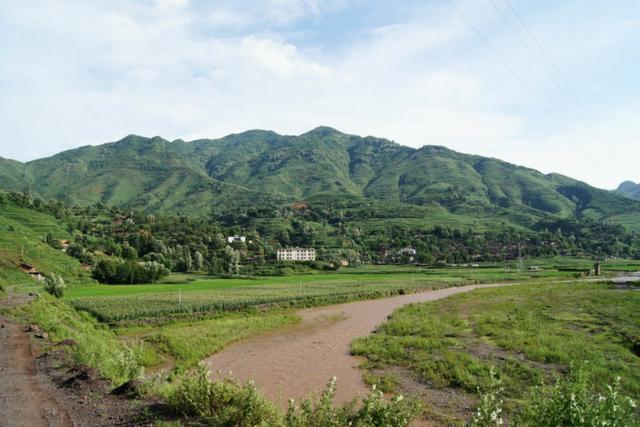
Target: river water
[{"x": 299, "y": 361}]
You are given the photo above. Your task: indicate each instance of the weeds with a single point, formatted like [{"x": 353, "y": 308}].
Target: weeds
[
  {"x": 227, "y": 403},
  {"x": 54, "y": 284},
  {"x": 489, "y": 411},
  {"x": 572, "y": 402}
]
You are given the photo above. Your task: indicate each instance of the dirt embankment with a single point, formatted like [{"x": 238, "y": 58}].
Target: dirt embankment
[{"x": 40, "y": 387}]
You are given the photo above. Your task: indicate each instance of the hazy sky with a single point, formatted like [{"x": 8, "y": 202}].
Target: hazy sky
[{"x": 78, "y": 72}]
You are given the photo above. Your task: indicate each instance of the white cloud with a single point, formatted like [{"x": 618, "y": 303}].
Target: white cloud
[{"x": 102, "y": 70}]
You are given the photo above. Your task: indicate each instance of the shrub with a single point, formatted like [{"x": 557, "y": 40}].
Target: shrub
[
  {"x": 54, "y": 284},
  {"x": 489, "y": 409},
  {"x": 373, "y": 411},
  {"x": 570, "y": 402},
  {"x": 227, "y": 403},
  {"x": 118, "y": 271},
  {"x": 221, "y": 402}
]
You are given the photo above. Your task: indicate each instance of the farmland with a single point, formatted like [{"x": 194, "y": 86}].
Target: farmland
[{"x": 202, "y": 294}]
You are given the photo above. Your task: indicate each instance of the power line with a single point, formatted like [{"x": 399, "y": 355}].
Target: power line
[
  {"x": 551, "y": 61},
  {"x": 511, "y": 69},
  {"x": 543, "y": 67}
]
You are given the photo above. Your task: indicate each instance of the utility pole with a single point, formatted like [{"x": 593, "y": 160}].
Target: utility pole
[{"x": 520, "y": 262}]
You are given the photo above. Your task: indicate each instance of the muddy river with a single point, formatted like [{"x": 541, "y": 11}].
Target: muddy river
[{"x": 298, "y": 361}]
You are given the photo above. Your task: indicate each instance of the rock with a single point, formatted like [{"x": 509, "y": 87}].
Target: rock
[
  {"x": 68, "y": 342},
  {"x": 131, "y": 388},
  {"x": 37, "y": 332}
]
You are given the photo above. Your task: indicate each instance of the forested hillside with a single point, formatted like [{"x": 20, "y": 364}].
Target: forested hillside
[{"x": 261, "y": 169}]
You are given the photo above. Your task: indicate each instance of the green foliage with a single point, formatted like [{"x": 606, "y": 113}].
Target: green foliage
[
  {"x": 372, "y": 411},
  {"x": 21, "y": 240},
  {"x": 489, "y": 411},
  {"x": 526, "y": 332},
  {"x": 264, "y": 169},
  {"x": 172, "y": 301},
  {"x": 118, "y": 271},
  {"x": 54, "y": 284},
  {"x": 227, "y": 403},
  {"x": 573, "y": 402},
  {"x": 96, "y": 346},
  {"x": 222, "y": 402}
]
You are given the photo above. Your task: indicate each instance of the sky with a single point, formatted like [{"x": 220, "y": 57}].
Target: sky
[{"x": 547, "y": 84}]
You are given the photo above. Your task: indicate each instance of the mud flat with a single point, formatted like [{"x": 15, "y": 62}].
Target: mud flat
[{"x": 299, "y": 361}]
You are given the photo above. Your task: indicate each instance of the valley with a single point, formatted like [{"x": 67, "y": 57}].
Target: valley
[{"x": 165, "y": 293}]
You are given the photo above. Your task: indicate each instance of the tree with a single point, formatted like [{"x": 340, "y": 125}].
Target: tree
[
  {"x": 198, "y": 261},
  {"x": 231, "y": 260}
]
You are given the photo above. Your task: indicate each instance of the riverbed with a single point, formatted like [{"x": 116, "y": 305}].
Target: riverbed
[{"x": 299, "y": 361}]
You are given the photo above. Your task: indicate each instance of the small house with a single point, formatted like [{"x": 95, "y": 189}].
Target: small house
[{"x": 236, "y": 238}]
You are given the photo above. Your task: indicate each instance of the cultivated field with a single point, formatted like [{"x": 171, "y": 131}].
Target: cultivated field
[{"x": 187, "y": 294}]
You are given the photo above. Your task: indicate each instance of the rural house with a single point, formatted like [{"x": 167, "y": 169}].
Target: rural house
[{"x": 232, "y": 239}]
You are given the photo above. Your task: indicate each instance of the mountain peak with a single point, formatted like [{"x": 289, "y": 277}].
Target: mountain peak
[
  {"x": 629, "y": 189},
  {"x": 322, "y": 131}
]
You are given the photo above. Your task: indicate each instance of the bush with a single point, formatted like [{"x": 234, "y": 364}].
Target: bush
[
  {"x": 374, "y": 411},
  {"x": 222, "y": 402},
  {"x": 118, "y": 271},
  {"x": 54, "y": 284},
  {"x": 226, "y": 403},
  {"x": 489, "y": 409},
  {"x": 572, "y": 403}
]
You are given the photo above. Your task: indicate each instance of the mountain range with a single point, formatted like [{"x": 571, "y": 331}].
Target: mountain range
[
  {"x": 195, "y": 177},
  {"x": 629, "y": 189}
]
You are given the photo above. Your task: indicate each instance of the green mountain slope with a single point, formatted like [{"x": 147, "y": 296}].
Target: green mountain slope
[
  {"x": 14, "y": 175},
  {"x": 21, "y": 241},
  {"x": 262, "y": 167},
  {"x": 629, "y": 189}
]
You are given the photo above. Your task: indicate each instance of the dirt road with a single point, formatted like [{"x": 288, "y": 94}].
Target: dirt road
[
  {"x": 24, "y": 397},
  {"x": 298, "y": 361}
]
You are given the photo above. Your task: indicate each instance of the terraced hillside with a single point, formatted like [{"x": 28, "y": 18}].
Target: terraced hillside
[{"x": 22, "y": 235}]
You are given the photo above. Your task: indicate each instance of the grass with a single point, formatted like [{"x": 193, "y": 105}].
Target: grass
[
  {"x": 190, "y": 342},
  {"x": 142, "y": 306},
  {"x": 202, "y": 294},
  {"x": 529, "y": 332},
  {"x": 95, "y": 346},
  {"x": 629, "y": 220},
  {"x": 21, "y": 233}
]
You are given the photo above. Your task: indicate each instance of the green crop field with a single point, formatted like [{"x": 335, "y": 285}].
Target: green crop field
[{"x": 201, "y": 294}]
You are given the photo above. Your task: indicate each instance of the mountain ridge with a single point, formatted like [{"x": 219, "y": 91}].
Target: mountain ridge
[
  {"x": 629, "y": 189},
  {"x": 192, "y": 177}
]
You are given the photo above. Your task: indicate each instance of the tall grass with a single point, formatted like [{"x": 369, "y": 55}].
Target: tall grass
[
  {"x": 94, "y": 346},
  {"x": 528, "y": 332},
  {"x": 223, "y": 403}
]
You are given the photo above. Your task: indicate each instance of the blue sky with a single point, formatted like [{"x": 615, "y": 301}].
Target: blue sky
[{"x": 79, "y": 72}]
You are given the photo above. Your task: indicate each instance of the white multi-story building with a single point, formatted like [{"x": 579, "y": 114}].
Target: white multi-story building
[{"x": 296, "y": 254}]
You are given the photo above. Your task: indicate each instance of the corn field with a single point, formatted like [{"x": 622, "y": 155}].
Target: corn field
[{"x": 133, "y": 307}]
